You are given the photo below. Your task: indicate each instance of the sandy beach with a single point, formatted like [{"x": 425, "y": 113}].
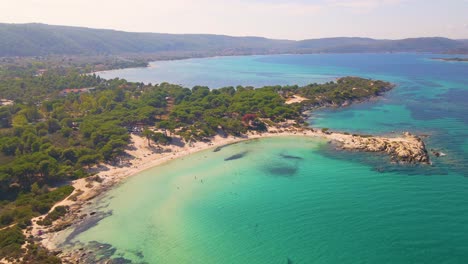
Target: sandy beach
[{"x": 140, "y": 156}]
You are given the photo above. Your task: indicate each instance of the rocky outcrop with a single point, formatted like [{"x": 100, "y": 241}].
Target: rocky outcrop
[{"x": 406, "y": 149}]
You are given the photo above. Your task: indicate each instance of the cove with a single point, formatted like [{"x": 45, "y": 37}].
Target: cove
[
  {"x": 265, "y": 208},
  {"x": 323, "y": 206}
]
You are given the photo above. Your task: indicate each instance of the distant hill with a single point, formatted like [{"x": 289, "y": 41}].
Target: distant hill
[
  {"x": 434, "y": 44},
  {"x": 41, "y": 40}
]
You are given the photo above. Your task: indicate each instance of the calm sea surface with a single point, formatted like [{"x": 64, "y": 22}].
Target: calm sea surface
[{"x": 297, "y": 200}]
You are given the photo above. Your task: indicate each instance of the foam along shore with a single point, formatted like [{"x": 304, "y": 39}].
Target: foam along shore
[{"x": 140, "y": 156}]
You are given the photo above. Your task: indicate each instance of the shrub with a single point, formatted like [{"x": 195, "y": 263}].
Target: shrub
[{"x": 11, "y": 240}]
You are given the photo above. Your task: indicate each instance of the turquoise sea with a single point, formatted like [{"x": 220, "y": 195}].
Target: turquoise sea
[{"x": 297, "y": 200}]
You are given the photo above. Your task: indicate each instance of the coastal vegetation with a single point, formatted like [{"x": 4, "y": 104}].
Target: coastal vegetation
[
  {"x": 38, "y": 78},
  {"x": 62, "y": 122}
]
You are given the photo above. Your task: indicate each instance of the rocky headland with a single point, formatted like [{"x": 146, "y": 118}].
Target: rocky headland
[{"x": 408, "y": 148}]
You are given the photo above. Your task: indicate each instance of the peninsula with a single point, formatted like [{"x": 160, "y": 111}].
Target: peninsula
[{"x": 90, "y": 133}]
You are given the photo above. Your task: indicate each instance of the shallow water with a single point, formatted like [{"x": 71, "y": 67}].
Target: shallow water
[{"x": 297, "y": 200}]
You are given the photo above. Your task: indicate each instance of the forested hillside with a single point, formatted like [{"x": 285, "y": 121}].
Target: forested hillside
[{"x": 41, "y": 40}]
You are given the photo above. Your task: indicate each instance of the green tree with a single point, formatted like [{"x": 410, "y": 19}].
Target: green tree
[{"x": 148, "y": 134}]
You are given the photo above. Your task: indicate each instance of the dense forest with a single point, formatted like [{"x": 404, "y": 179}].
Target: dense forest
[{"x": 48, "y": 137}]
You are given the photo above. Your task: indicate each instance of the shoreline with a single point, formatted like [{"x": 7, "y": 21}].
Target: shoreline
[
  {"x": 141, "y": 157},
  {"x": 452, "y": 59},
  {"x": 159, "y": 58}
]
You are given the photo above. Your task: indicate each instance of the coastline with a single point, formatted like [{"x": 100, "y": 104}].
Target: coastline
[
  {"x": 163, "y": 58},
  {"x": 454, "y": 59},
  {"x": 141, "y": 157},
  {"x": 159, "y": 58}
]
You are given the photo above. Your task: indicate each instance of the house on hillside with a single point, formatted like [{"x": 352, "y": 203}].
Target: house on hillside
[
  {"x": 68, "y": 91},
  {"x": 136, "y": 128},
  {"x": 40, "y": 72},
  {"x": 5, "y": 102}
]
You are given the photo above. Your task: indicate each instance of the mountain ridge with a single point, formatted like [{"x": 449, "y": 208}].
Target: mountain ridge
[{"x": 35, "y": 39}]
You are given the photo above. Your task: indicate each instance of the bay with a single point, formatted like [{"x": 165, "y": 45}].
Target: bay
[{"x": 297, "y": 200}]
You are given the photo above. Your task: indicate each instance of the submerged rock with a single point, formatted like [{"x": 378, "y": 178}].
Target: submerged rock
[
  {"x": 282, "y": 171},
  {"x": 286, "y": 156},
  {"x": 217, "y": 149},
  {"x": 236, "y": 156},
  {"x": 438, "y": 153}
]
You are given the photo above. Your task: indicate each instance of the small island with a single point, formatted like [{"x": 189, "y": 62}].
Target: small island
[
  {"x": 85, "y": 134},
  {"x": 452, "y": 59}
]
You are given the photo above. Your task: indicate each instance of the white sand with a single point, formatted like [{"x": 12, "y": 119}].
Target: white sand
[
  {"x": 295, "y": 99},
  {"x": 144, "y": 157}
]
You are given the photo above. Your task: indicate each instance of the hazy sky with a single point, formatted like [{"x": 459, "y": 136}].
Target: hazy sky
[{"x": 288, "y": 19}]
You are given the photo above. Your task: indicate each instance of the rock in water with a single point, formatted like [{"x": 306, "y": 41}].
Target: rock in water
[{"x": 406, "y": 149}]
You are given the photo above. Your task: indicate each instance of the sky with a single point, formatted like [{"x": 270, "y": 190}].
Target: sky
[{"x": 281, "y": 19}]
